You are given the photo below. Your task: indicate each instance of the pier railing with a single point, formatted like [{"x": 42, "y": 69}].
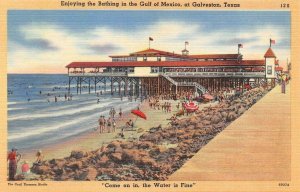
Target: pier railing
[
  {"x": 106, "y": 74},
  {"x": 179, "y": 74},
  {"x": 215, "y": 74}
]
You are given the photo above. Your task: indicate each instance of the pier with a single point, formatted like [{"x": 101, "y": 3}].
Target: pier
[{"x": 153, "y": 72}]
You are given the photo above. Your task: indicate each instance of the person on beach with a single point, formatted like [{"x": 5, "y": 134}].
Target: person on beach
[
  {"x": 101, "y": 124},
  {"x": 65, "y": 97},
  {"x": 25, "y": 168},
  {"x": 39, "y": 158},
  {"x": 120, "y": 113},
  {"x": 55, "y": 99},
  {"x": 121, "y": 134},
  {"x": 114, "y": 125},
  {"x": 98, "y": 101},
  {"x": 109, "y": 124},
  {"x": 113, "y": 112},
  {"x": 129, "y": 124},
  {"x": 13, "y": 158},
  {"x": 178, "y": 105},
  {"x": 174, "y": 120}
]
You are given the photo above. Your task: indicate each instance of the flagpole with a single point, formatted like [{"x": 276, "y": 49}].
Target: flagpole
[{"x": 270, "y": 42}]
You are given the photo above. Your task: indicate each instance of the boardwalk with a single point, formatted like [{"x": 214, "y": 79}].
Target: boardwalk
[{"x": 254, "y": 147}]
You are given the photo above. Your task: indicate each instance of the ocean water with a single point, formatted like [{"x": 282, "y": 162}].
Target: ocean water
[{"x": 35, "y": 119}]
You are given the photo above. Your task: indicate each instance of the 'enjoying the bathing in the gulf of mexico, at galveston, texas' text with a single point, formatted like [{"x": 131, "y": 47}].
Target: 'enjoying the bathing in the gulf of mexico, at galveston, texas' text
[{"x": 146, "y": 4}]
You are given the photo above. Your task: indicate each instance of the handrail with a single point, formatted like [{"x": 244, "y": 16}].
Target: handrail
[
  {"x": 170, "y": 79},
  {"x": 195, "y": 84}
]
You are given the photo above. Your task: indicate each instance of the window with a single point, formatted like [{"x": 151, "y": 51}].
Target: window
[
  {"x": 269, "y": 70},
  {"x": 158, "y": 58},
  {"x": 154, "y": 69},
  {"x": 144, "y": 58}
]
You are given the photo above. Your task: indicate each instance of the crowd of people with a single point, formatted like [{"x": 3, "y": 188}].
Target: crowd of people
[
  {"x": 14, "y": 157},
  {"x": 108, "y": 125}
]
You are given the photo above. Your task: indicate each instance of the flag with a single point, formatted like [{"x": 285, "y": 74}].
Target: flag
[
  {"x": 150, "y": 39},
  {"x": 272, "y": 41},
  {"x": 187, "y": 43},
  {"x": 240, "y": 45}
]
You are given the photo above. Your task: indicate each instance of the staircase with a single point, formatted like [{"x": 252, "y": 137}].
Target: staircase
[
  {"x": 194, "y": 84},
  {"x": 171, "y": 80}
]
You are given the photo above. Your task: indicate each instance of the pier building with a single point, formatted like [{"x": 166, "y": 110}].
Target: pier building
[{"x": 153, "y": 72}]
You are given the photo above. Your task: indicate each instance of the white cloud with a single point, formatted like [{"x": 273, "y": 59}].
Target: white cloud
[{"x": 168, "y": 35}]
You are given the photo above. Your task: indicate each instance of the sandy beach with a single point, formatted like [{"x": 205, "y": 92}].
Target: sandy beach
[{"x": 93, "y": 140}]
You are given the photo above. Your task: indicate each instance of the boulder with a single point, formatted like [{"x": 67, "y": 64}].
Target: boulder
[
  {"x": 104, "y": 160},
  {"x": 81, "y": 175},
  {"x": 194, "y": 120},
  {"x": 77, "y": 165},
  {"x": 155, "y": 151},
  {"x": 117, "y": 157},
  {"x": 231, "y": 116},
  {"x": 41, "y": 169},
  {"x": 224, "y": 114},
  {"x": 205, "y": 122},
  {"x": 77, "y": 154},
  {"x": 144, "y": 145},
  {"x": 219, "y": 125},
  {"x": 216, "y": 119},
  {"x": 199, "y": 125},
  {"x": 58, "y": 171},
  {"x": 127, "y": 145},
  {"x": 58, "y": 162},
  {"x": 241, "y": 110},
  {"x": 190, "y": 127}
]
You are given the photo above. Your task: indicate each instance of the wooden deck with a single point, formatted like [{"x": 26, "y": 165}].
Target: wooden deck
[{"x": 255, "y": 147}]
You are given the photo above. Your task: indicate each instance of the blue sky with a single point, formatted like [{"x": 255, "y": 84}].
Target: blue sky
[{"x": 46, "y": 41}]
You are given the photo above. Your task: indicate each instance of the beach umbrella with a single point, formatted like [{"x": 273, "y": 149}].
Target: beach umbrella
[
  {"x": 139, "y": 113},
  {"x": 191, "y": 107},
  {"x": 208, "y": 96}
]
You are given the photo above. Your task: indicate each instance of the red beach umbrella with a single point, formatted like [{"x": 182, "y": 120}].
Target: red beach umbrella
[
  {"x": 191, "y": 107},
  {"x": 139, "y": 114}
]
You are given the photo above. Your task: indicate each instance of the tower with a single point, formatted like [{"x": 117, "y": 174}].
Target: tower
[{"x": 270, "y": 61}]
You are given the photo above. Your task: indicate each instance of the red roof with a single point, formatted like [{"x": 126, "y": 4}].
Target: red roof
[
  {"x": 270, "y": 53},
  {"x": 153, "y": 52},
  {"x": 215, "y": 56},
  {"x": 166, "y": 64},
  {"x": 278, "y": 68}
]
